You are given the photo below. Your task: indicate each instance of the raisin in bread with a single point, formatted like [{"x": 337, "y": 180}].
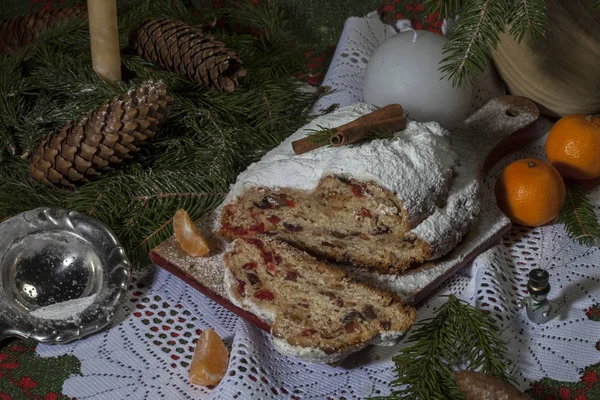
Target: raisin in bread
[
  {"x": 385, "y": 204},
  {"x": 316, "y": 311}
]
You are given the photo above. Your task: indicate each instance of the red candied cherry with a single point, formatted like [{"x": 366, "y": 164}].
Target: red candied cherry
[
  {"x": 251, "y": 266},
  {"x": 241, "y": 287},
  {"x": 290, "y": 203},
  {"x": 364, "y": 213},
  {"x": 264, "y": 295},
  {"x": 357, "y": 190},
  {"x": 274, "y": 219},
  {"x": 272, "y": 269}
]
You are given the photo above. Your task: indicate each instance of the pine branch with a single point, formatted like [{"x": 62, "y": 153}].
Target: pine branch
[
  {"x": 596, "y": 4},
  {"x": 138, "y": 203},
  {"x": 18, "y": 193},
  {"x": 203, "y": 144},
  {"x": 457, "y": 335},
  {"x": 477, "y": 32},
  {"x": 321, "y": 136},
  {"x": 270, "y": 18},
  {"x": 528, "y": 17},
  {"x": 579, "y": 216}
]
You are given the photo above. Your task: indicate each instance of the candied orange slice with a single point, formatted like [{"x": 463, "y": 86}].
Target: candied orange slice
[
  {"x": 188, "y": 236},
  {"x": 210, "y": 360}
]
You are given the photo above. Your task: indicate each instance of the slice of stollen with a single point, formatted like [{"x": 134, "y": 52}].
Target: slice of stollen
[{"x": 317, "y": 312}]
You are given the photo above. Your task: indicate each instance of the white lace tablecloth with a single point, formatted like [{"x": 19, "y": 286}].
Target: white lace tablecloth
[{"x": 146, "y": 353}]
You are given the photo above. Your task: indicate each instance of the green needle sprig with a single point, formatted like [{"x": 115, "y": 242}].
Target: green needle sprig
[
  {"x": 457, "y": 336},
  {"x": 204, "y": 143},
  {"x": 478, "y": 29},
  {"x": 322, "y": 136},
  {"x": 579, "y": 216}
]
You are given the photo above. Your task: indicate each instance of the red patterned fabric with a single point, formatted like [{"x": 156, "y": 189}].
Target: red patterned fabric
[
  {"x": 587, "y": 388},
  {"x": 44, "y": 4},
  {"x": 393, "y": 10},
  {"x": 24, "y": 376}
]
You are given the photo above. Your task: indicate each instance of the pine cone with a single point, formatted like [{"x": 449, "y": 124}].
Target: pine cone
[
  {"x": 478, "y": 386},
  {"x": 18, "y": 32},
  {"x": 102, "y": 140},
  {"x": 188, "y": 51}
]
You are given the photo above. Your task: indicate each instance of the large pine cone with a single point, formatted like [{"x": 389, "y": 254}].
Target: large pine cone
[
  {"x": 188, "y": 51},
  {"x": 102, "y": 140},
  {"x": 18, "y": 32}
]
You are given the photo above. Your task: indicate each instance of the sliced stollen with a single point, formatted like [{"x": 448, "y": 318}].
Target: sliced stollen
[
  {"x": 384, "y": 204},
  {"x": 316, "y": 311}
]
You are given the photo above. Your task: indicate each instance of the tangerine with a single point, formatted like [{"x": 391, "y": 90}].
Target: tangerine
[
  {"x": 573, "y": 146},
  {"x": 188, "y": 236},
  {"x": 210, "y": 360},
  {"x": 530, "y": 192}
]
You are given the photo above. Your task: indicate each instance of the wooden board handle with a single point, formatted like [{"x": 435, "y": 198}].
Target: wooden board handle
[{"x": 503, "y": 125}]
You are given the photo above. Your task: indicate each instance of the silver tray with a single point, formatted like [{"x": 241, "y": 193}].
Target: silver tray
[{"x": 62, "y": 275}]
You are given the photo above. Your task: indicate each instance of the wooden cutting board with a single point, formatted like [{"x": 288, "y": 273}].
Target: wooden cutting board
[{"x": 503, "y": 125}]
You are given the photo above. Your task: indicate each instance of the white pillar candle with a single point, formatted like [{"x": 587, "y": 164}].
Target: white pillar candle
[
  {"x": 404, "y": 69},
  {"x": 104, "y": 36}
]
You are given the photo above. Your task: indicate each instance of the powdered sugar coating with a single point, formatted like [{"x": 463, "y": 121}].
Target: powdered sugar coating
[
  {"x": 311, "y": 354},
  {"x": 416, "y": 164},
  {"x": 388, "y": 338},
  {"x": 446, "y": 227}
]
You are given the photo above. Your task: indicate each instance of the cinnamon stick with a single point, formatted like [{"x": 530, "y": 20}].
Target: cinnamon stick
[
  {"x": 305, "y": 145},
  {"x": 390, "y": 117}
]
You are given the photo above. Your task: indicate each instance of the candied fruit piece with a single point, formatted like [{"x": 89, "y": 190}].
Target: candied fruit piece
[
  {"x": 267, "y": 256},
  {"x": 351, "y": 326},
  {"x": 292, "y": 227},
  {"x": 253, "y": 278},
  {"x": 264, "y": 204},
  {"x": 258, "y": 227},
  {"x": 291, "y": 276},
  {"x": 369, "y": 312},
  {"x": 241, "y": 287},
  {"x": 357, "y": 190},
  {"x": 256, "y": 242},
  {"x": 274, "y": 219},
  {"x": 188, "y": 236},
  {"x": 364, "y": 212},
  {"x": 250, "y": 266},
  {"x": 329, "y": 295},
  {"x": 290, "y": 203},
  {"x": 272, "y": 269},
  {"x": 264, "y": 295},
  {"x": 210, "y": 360}
]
